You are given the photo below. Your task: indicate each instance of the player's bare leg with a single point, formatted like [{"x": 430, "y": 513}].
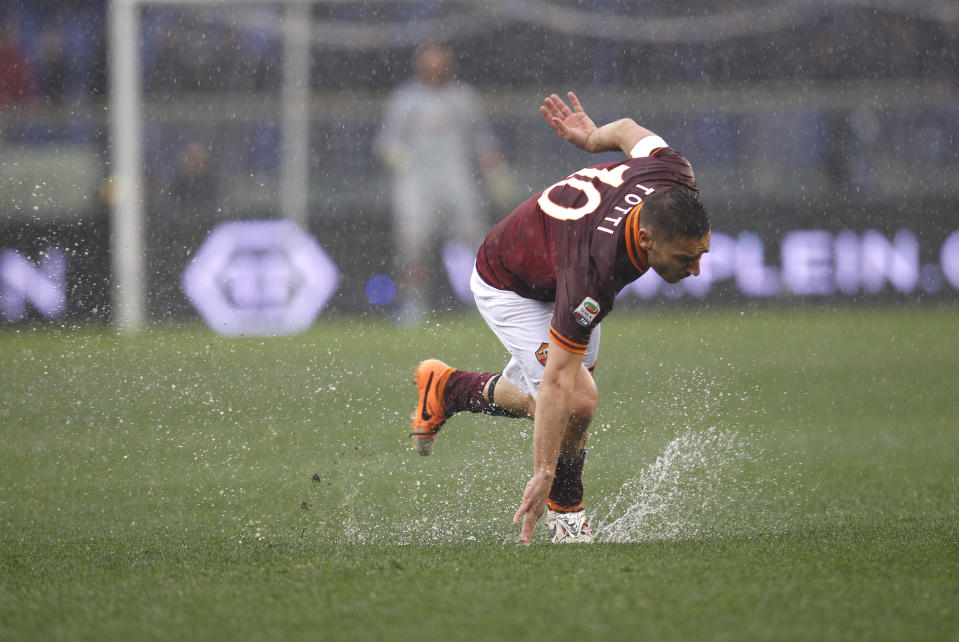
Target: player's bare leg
[{"x": 502, "y": 394}]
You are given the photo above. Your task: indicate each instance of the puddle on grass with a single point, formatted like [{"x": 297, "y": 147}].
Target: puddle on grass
[
  {"x": 699, "y": 485},
  {"x": 434, "y": 505},
  {"x": 711, "y": 478}
]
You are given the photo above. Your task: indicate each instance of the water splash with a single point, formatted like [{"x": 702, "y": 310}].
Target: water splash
[{"x": 677, "y": 495}]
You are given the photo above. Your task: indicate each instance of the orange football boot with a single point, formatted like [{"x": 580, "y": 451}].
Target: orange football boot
[{"x": 430, "y": 414}]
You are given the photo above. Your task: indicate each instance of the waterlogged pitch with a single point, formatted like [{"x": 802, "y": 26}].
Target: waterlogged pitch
[{"x": 754, "y": 474}]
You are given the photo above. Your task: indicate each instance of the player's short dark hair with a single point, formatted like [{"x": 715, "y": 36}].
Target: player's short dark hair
[{"x": 675, "y": 212}]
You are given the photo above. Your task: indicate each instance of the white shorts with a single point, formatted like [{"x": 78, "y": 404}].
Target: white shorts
[{"x": 522, "y": 326}]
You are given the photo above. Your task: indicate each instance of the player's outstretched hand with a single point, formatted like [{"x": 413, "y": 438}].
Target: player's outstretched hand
[
  {"x": 573, "y": 124},
  {"x": 532, "y": 507}
]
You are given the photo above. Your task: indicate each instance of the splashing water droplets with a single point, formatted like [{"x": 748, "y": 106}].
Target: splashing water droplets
[{"x": 674, "y": 496}]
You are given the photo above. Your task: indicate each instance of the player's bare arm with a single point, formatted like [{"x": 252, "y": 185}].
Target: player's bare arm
[
  {"x": 554, "y": 406},
  {"x": 620, "y": 135},
  {"x": 574, "y": 125}
]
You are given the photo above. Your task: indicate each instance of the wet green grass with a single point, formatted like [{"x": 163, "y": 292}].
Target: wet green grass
[{"x": 791, "y": 475}]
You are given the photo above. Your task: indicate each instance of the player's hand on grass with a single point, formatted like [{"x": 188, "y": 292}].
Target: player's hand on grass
[
  {"x": 569, "y": 124},
  {"x": 532, "y": 506}
]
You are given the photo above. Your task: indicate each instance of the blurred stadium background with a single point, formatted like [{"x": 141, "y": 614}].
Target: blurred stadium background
[{"x": 823, "y": 135}]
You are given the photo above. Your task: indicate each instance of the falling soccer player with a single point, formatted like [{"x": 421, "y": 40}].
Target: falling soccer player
[{"x": 544, "y": 279}]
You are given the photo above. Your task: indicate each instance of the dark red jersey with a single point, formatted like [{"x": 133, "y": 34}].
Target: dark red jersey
[{"x": 575, "y": 242}]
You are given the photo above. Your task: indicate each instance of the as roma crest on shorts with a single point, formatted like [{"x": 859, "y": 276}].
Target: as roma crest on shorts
[
  {"x": 586, "y": 312},
  {"x": 542, "y": 352}
]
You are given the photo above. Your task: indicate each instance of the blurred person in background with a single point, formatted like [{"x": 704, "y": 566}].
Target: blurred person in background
[
  {"x": 14, "y": 81},
  {"x": 52, "y": 65},
  {"x": 195, "y": 186},
  {"x": 544, "y": 279},
  {"x": 433, "y": 136},
  {"x": 187, "y": 208}
]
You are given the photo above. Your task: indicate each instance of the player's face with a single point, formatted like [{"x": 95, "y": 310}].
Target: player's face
[{"x": 678, "y": 258}]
